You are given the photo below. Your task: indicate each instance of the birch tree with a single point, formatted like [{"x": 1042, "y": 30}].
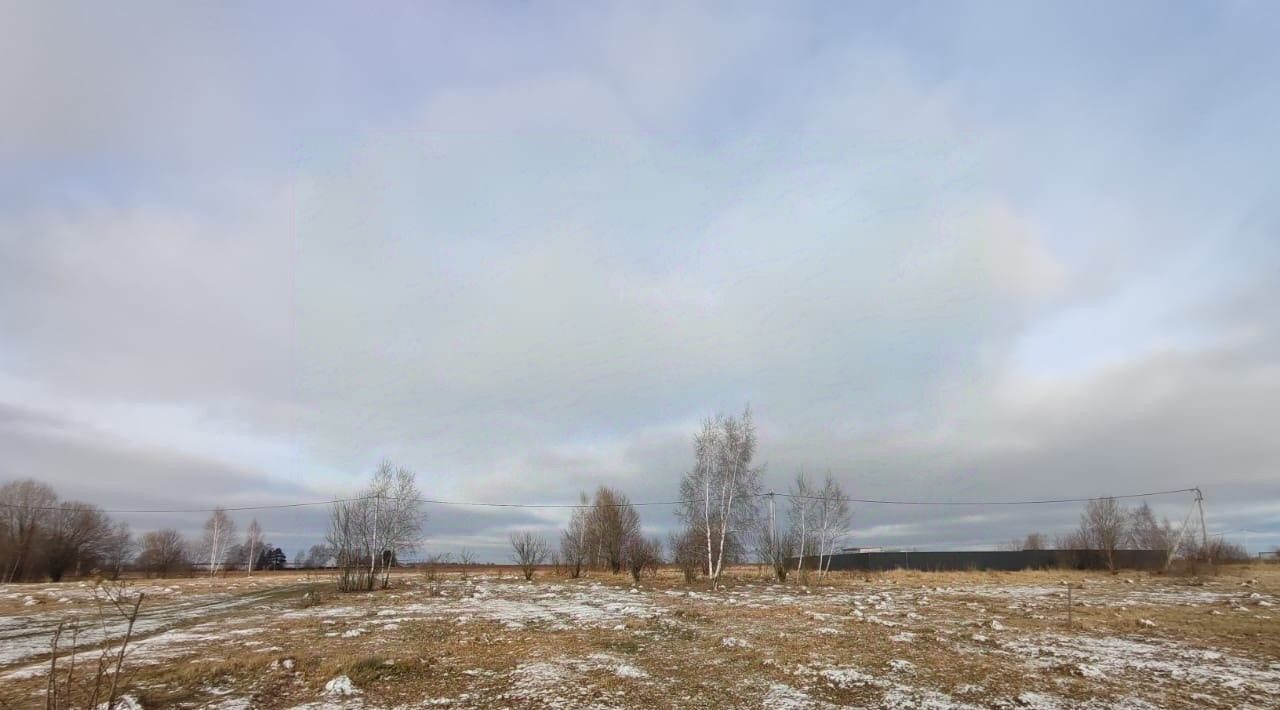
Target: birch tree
[
  {"x": 802, "y": 514},
  {"x": 218, "y": 530},
  {"x": 835, "y": 516},
  {"x": 398, "y": 515},
  {"x": 719, "y": 493},
  {"x": 368, "y": 534},
  {"x": 253, "y": 544}
]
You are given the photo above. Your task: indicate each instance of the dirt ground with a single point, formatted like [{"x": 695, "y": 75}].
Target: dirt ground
[{"x": 892, "y": 640}]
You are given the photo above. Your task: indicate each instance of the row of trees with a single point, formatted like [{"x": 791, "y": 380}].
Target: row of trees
[
  {"x": 1107, "y": 526},
  {"x": 603, "y": 533},
  {"x": 723, "y": 518},
  {"x": 818, "y": 518},
  {"x": 722, "y": 512},
  {"x": 43, "y": 537}
]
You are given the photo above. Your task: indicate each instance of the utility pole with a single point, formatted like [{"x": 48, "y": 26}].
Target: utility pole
[
  {"x": 1173, "y": 549},
  {"x": 1204, "y": 532},
  {"x": 375, "y": 554},
  {"x": 773, "y": 545}
]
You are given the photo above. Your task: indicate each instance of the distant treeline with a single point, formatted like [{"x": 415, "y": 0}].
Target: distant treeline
[{"x": 45, "y": 537}]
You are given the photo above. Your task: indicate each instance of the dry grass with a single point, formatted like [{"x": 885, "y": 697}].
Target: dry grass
[{"x": 896, "y": 638}]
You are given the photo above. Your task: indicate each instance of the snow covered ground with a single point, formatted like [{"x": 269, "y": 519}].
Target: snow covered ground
[{"x": 908, "y": 640}]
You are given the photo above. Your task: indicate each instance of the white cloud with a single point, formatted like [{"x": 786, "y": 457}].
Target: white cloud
[{"x": 526, "y": 264}]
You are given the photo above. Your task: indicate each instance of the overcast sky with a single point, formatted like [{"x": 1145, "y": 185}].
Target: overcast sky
[{"x": 947, "y": 251}]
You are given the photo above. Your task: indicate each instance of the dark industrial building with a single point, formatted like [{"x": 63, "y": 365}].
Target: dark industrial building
[{"x": 1010, "y": 560}]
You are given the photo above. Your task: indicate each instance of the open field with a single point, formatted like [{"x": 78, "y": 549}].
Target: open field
[{"x": 899, "y": 639}]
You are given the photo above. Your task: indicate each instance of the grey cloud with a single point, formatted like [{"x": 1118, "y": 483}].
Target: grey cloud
[{"x": 526, "y": 280}]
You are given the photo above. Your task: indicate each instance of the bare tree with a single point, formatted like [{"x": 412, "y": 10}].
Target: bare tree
[
  {"x": 642, "y": 555},
  {"x": 574, "y": 539},
  {"x": 719, "y": 493},
  {"x": 1034, "y": 541},
  {"x": 368, "y": 534},
  {"x": 1148, "y": 534},
  {"x": 24, "y": 507},
  {"x": 466, "y": 558},
  {"x": 528, "y": 551},
  {"x": 164, "y": 552},
  {"x": 253, "y": 544},
  {"x": 218, "y": 531},
  {"x": 348, "y": 539},
  {"x": 801, "y": 514},
  {"x": 835, "y": 516},
  {"x": 398, "y": 516},
  {"x": 316, "y": 555},
  {"x": 74, "y": 532},
  {"x": 613, "y": 524},
  {"x": 117, "y": 550},
  {"x": 774, "y": 547},
  {"x": 1104, "y": 526}
]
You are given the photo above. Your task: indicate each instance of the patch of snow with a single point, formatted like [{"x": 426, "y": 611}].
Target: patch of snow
[
  {"x": 340, "y": 686},
  {"x": 900, "y": 665},
  {"x": 124, "y": 702},
  {"x": 628, "y": 671}
]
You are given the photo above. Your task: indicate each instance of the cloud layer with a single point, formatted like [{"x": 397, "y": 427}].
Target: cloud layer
[{"x": 981, "y": 255}]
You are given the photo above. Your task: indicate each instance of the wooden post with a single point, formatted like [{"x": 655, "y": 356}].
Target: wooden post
[{"x": 1070, "y": 622}]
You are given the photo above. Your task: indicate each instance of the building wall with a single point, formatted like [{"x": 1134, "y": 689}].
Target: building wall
[{"x": 991, "y": 560}]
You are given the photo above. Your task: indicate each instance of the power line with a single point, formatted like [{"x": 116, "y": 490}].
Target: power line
[
  {"x": 483, "y": 504},
  {"x": 994, "y": 502}
]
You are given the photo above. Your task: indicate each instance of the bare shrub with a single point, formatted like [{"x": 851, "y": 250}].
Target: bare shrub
[
  {"x": 466, "y": 558},
  {"x": 1219, "y": 551},
  {"x": 101, "y": 689},
  {"x": 528, "y": 551},
  {"x": 774, "y": 548},
  {"x": 431, "y": 565},
  {"x": 642, "y": 555},
  {"x": 687, "y": 553}
]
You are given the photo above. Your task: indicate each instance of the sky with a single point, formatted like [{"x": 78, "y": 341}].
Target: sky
[{"x": 946, "y": 251}]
